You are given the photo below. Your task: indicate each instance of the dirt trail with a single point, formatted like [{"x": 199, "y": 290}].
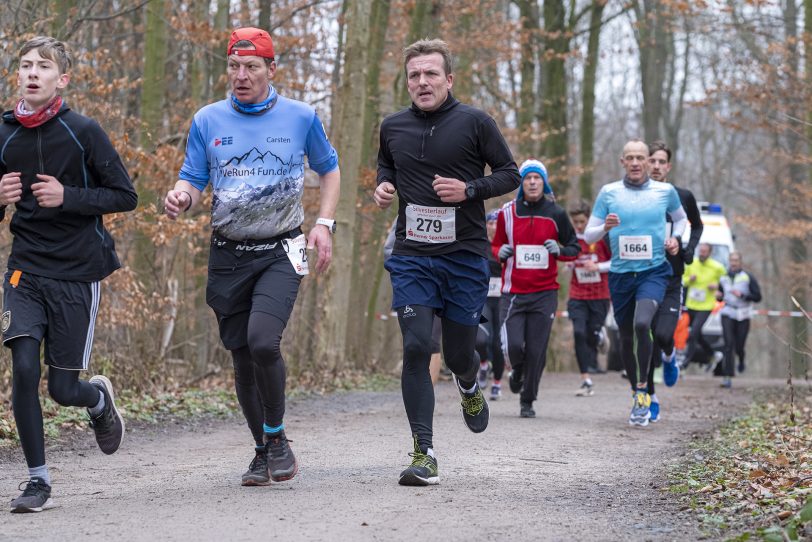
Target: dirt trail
[{"x": 577, "y": 471}]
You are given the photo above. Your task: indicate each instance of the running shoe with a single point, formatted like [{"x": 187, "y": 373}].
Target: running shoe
[
  {"x": 654, "y": 409},
  {"x": 670, "y": 368},
  {"x": 641, "y": 409},
  {"x": 515, "y": 381},
  {"x": 482, "y": 375},
  {"x": 282, "y": 463},
  {"x": 716, "y": 360},
  {"x": 422, "y": 471},
  {"x": 36, "y": 497},
  {"x": 526, "y": 410},
  {"x": 109, "y": 425},
  {"x": 585, "y": 390},
  {"x": 496, "y": 392},
  {"x": 258, "y": 473},
  {"x": 741, "y": 367},
  {"x": 475, "y": 411},
  {"x": 726, "y": 383}
]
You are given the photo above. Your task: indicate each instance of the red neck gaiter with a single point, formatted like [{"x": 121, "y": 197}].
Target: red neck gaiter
[{"x": 32, "y": 119}]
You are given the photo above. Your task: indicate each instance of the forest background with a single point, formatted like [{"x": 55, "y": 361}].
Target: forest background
[{"x": 727, "y": 83}]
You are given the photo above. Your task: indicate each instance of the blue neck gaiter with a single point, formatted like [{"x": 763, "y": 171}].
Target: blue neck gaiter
[{"x": 257, "y": 108}]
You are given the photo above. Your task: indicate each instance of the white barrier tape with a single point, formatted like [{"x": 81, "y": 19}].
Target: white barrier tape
[{"x": 565, "y": 314}]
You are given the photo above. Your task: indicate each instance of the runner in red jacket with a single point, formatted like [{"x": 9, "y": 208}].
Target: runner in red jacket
[{"x": 532, "y": 235}]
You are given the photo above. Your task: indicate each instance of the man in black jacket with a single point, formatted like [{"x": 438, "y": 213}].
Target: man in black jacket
[
  {"x": 62, "y": 174},
  {"x": 665, "y": 321},
  {"x": 433, "y": 155}
]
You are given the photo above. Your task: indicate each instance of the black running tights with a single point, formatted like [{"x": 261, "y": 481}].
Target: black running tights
[
  {"x": 637, "y": 329},
  {"x": 460, "y": 357},
  {"x": 260, "y": 373},
  {"x": 64, "y": 387}
]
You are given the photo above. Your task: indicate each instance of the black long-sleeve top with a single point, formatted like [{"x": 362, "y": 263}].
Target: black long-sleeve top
[
  {"x": 455, "y": 141},
  {"x": 69, "y": 242}
]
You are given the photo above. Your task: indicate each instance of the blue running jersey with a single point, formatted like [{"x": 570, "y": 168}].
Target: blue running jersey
[
  {"x": 638, "y": 243},
  {"x": 255, "y": 164}
]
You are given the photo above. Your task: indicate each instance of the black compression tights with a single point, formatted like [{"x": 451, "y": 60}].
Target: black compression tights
[
  {"x": 259, "y": 374},
  {"x": 64, "y": 387},
  {"x": 636, "y": 361},
  {"x": 460, "y": 357}
]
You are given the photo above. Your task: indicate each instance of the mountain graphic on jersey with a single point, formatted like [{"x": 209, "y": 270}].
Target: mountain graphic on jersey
[{"x": 257, "y": 195}]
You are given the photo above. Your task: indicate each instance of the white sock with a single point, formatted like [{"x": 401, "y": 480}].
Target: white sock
[
  {"x": 430, "y": 452},
  {"x": 654, "y": 398},
  {"x": 588, "y": 381},
  {"x": 40, "y": 472},
  {"x": 473, "y": 388},
  {"x": 99, "y": 408}
]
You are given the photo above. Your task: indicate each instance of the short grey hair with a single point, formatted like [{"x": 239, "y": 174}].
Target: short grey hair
[{"x": 426, "y": 47}]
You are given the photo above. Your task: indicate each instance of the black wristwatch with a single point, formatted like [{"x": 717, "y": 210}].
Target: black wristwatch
[{"x": 470, "y": 190}]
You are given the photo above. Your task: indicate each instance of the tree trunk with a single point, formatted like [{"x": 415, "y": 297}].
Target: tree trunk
[
  {"x": 335, "y": 288},
  {"x": 153, "y": 86},
  {"x": 653, "y": 34},
  {"x": 588, "y": 108},
  {"x": 554, "y": 94},
  {"x": 525, "y": 116}
]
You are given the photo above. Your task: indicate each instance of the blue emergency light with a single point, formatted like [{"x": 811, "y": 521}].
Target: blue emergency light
[{"x": 714, "y": 208}]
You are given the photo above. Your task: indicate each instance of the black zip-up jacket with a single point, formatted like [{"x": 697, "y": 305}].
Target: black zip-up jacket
[
  {"x": 455, "y": 141},
  {"x": 68, "y": 242},
  {"x": 685, "y": 255}
]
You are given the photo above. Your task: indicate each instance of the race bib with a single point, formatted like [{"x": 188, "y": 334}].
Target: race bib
[
  {"x": 635, "y": 247},
  {"x": 495, "y": 287},
  {"x": 744, "y": 313},
  {"x": 697, "y": 294},
  {"x": 532, "y": 257},
  {"x": 431, "y": 224},
  {"x": 296, "y": 249},
  {"x": 587, "y": 277}
]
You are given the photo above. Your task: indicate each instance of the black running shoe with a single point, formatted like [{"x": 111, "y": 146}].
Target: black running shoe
[
  {"x": 526, "y": 410},
  {"x": 36, "y": 497},
  {"x": 515, "y": 381},
  {"x": 109, "y": 425},
  {"x": 281, "y": 461},
  {"x": 258, "y": 473},
  {"x": 422, "y": 471},
  {"x": 475, "y": 411}
]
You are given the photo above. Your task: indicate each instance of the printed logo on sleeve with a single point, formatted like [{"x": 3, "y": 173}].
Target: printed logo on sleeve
[{"x": 228, "y": 140}]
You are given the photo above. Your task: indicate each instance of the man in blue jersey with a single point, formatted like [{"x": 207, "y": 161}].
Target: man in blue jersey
[
  {"x": 251, "y": 147},
  {"x": 633, "y": 212}
]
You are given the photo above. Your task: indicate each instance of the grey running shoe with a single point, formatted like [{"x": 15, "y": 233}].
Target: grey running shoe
[
  {"x": 727, "y": 382},
  {"x": 526, "y": 410},
  {"x": 496, "y": 392},
  {"x": 716, "y": 360},
  {"x": 482, "y": 375},
  {"x": 641, "y": 409},
  {"x": 475, "y": 412},
  {"x": 422, "y": 471},
  {"x": 36, "y": 497},
  {"x": 585, "y": 390},
  {"x": 109, "y": 425},
  {"x": 258, "y": 473},
  {"x": 281, "y": 462}
]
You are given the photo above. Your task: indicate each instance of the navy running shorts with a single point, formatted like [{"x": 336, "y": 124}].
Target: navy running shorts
[
  {"x": 455, "y": 284},
  {"x": 628, "y": 288},
  {"x": 60, "y": 312},
  {"x": 241, "y": 282}
]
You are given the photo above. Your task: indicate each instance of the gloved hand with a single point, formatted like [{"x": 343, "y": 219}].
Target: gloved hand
[
  {"x": 505, "y": 252},
  {"x": 552, "y": 247}
]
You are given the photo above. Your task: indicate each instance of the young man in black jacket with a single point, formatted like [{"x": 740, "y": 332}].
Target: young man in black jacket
[
  {"x": 665, "y": 321},
  {"x": 433, "y": 155},
  {"x": 62, "y": 174}
]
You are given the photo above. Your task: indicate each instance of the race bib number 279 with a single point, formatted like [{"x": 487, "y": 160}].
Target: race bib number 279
[{"x": 426, "y": 224}]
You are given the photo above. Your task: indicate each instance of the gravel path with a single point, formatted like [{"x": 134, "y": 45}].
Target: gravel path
[{"x": 576, "y": 472}]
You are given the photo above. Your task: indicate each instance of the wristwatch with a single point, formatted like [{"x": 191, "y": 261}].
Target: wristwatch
[
  {"x": 331, "y": 224},
  {"x": 470, "y": 190}
]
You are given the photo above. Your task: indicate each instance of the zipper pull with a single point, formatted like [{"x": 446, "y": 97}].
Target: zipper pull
[{"x": 431, "y": 133}]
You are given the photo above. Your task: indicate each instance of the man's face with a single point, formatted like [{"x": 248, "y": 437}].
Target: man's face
[
  {"x": 491, "y": 227},
  {"x": 427, "y": 82},
  {"x": 579, "y": 222},
  {"x": 635, "y": 161},
  {"x": 704, "y": 252},
  {"x": 735, "y": 263},
  {"x": 659, "y": 166},
  {"x": 249, "y": 77},
  {"x": 39, "y": 79},
  {"x": 533, "y": 186}
]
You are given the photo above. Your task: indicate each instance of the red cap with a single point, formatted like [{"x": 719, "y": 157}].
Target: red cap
[{"x": 261, "y": 40}]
